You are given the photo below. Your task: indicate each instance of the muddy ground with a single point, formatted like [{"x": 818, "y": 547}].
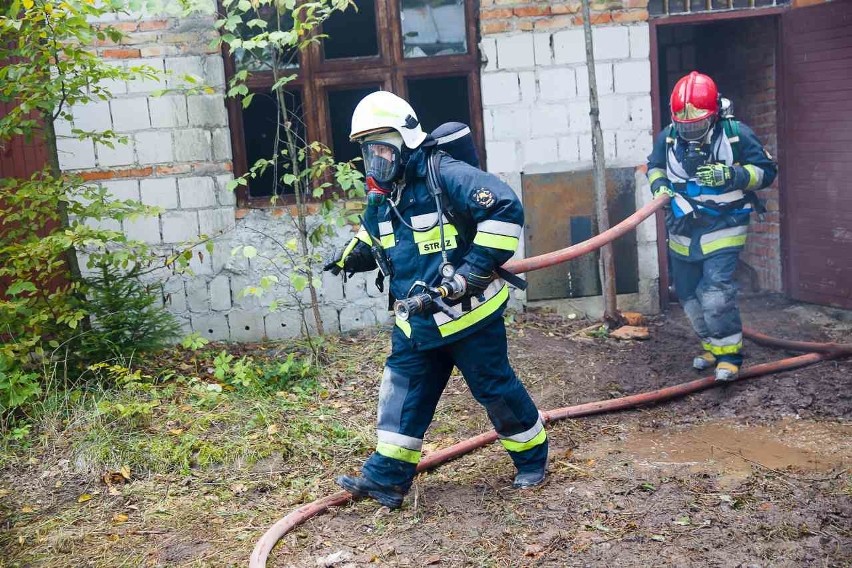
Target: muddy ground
[
  {"x": 755, "y": 473},
  {"x": 751, "y": 474}
]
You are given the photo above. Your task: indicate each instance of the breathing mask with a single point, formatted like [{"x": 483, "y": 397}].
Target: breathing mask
[{"x": 383, "y": 159}]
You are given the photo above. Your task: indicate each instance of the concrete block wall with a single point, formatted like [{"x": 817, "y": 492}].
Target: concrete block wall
[
  {"x": 178, "y": 157},
  {"x": 535, "y": 96}
]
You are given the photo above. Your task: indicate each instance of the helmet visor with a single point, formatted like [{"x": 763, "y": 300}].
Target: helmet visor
[
  {"x": 381, "y": 160},
  {"x": 695, "y": 129}
]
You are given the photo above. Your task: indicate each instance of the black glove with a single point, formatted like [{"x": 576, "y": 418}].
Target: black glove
[
  {"x": 359, "y": 259},
  {"x": 333, "y": 266},
  {"x": 475, "y": 281}
]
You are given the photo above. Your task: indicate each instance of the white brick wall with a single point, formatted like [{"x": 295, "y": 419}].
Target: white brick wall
[
  {"x": 75, "y": 154},
  {"x": 500, "y": 88},
  {"x": 538, "y": 88},
  {"x": 632, "y": 77},
  {"x": 130, "y": 114},
  {"x": 206, "y": 110},
  {"x": 193, "y": 145},
  {"x": 542, "y": 45},
  {"x": 168, "y": 111},
  {"x": 92, "y": 117},
  {"x": 119, "y": 155},
  {"x": 154, "y": 147},
  {"x": 556, "y": 84},
  {"x": 159, "y": 192},
  {"x": 535, "y": 95},
  {"x": 145, "y": 229},
  {"x": 569, "y": 47},
  {"x": 611, "y": 42},
  {"x": 195, "y": 192},
  {"x": 180, "y": 226},
  {"x": 514, "y": 52},
  {"x": 122, "y": 189},
  {"x": 535, "y": 99}
]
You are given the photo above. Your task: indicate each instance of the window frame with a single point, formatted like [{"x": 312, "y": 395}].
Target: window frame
[{"x": 389, "y": 69}]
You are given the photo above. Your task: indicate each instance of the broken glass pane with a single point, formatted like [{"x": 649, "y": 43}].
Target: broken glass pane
[{"x": 433, "y": 27}]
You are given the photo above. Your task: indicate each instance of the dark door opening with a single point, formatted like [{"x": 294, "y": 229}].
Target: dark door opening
[{"x": 741, "y": 56}]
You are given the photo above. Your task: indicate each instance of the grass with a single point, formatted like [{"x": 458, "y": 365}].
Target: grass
[{"x": 204, "y": 435}]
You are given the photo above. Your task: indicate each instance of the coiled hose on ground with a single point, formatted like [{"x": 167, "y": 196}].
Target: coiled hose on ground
[{"x": 816, "y": 352}]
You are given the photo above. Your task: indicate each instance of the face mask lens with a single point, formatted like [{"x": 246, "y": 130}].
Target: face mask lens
[
  {"x": 694, "y": 130},
  {"x": 381, "y": 160}
]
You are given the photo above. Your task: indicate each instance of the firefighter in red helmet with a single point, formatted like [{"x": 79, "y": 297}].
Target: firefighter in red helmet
[{"x": 711, "y": 165}]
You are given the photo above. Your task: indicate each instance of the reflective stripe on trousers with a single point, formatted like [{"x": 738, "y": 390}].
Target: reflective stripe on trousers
[
  {"x": 413, "y": 382},
  {"x": 708, "y": 294}
]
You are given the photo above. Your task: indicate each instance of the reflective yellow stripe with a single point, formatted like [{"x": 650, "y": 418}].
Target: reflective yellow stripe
[
  {"x": 724, "y": 242},
  {"x": 387, "y": 241},
  {"x": 477, "y": 314},
  {"x": 682, "y": 250},
  {"x": 434, "y": 234},
  {"x": 404, "y": 326},
  {"x": 655, "y": 174},
  {"x": 430, "y": 241},
  {"x": 514, "y": 446},
  {"x": 501, "y": 242},
  {"x": 398, "y": 453},
  {"x": 363, "y": 236},
  {"x": 724, "y": 349},
  {"x": 755, "y": 177},
  {"x": 348, "y": 250}
]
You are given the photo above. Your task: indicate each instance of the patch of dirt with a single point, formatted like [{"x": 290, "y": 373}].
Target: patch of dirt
[{"x": 755, "y": 473}]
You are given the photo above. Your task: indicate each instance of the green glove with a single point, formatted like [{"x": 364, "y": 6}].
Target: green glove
[
  {"x": 714, "y": 175},
  {"x": 665, "y": 190}
]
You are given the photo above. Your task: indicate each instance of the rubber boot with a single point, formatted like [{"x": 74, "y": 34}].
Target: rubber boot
[
  {"x": 727, "y": 371},
  {"x": 704, "y": 361},
  {"x": 531, "y": 478},
  {"x": 389, "y": 496}
]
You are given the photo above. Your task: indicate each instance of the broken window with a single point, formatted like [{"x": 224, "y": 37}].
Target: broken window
[
  {"x": 433, "y": 27},
  {"x": 423, "y": 50}
]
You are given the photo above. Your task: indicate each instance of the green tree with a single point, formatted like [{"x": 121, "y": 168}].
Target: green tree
[
  {"x": 268, "y": 35},
  {"x": 48, "y": 67}
]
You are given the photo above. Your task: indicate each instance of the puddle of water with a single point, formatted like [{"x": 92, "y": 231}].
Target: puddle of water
[{"x": 733, "y": 449}]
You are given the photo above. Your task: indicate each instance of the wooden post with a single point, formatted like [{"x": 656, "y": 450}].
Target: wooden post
[{"x": 607, "y": 262}]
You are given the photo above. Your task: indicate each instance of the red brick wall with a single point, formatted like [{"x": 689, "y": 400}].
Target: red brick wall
[
  {"x": 743, "y": 64},
  {"x": 500, "y": 16}
]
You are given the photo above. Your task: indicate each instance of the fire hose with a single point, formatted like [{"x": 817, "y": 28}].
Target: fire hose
[{"x": 816, "y": 352}]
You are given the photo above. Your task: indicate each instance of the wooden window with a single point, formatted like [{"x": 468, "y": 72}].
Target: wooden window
[{"x": 423, "y": 50}]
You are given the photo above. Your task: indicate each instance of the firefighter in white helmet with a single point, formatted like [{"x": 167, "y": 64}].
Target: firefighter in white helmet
[{"x": 457, "y": 236}]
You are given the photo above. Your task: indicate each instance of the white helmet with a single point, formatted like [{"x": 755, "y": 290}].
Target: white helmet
[{"x": 383, "y": 110}]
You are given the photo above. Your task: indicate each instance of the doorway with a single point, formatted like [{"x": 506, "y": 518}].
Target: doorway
[{"x": 741, "y": 55}]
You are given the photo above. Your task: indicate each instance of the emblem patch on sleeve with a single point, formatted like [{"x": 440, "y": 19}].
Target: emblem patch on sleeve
[{"x": 483, "y": 197}]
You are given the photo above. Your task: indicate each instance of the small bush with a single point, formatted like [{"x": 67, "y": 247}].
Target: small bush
[{"x": 126, "y": 318}]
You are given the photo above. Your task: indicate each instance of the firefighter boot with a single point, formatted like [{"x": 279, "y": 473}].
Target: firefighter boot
[
  {"x": 704, "y": 361},
  {"x": 726, "y": 371},
  {"x": 527, "y": 479},
  {"x": 531, "y": 477},
  {"x": 388, "y": 495}
]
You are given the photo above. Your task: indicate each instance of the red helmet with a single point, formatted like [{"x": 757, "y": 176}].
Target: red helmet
[{"x": 694, "y": 105}]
